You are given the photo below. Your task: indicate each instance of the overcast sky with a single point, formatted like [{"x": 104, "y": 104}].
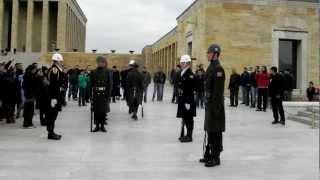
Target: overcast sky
[{"x": 129, "y": 24}]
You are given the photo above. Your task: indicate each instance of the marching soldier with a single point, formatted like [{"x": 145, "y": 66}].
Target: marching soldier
[
  {"x": 101, "y": 83},
  {"x": 186, "y": 88},
  {"x": 214, "y": 124},
  {"x": 55, "y": 80},
  {"x": 134, "y": 89}
]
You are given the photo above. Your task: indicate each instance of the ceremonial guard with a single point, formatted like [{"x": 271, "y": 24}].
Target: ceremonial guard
[
  {"x": 101, "y": 83},
  {"x": 54, "y": 101},
  {"x": 214, "y": 124},
  {"x": 134, "y": 89},
  {"x": 186, "y": 87}
]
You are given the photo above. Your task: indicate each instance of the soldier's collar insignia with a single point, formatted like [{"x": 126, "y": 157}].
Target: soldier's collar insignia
[{"x": 54, "y": 70}]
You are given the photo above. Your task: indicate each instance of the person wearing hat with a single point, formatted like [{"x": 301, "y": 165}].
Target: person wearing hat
[
  {"x": 214, "y": 124},
  {"x": 55, "y": 81},
  {"x": 186, "y": 89},
  {"x": 101, "y": 85},
  {"x": 134, "y": 89}
]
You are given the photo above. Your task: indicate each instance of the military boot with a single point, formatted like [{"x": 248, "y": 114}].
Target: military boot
[
  {"x": 213, "y": 159},
  {"x": 96, "y": 129},
  {"x": 187, "y": 138},
  {"x": 206, "y": 155},
  {"x": 103, "y": 129},
  {"x": 53, "y": 136}
]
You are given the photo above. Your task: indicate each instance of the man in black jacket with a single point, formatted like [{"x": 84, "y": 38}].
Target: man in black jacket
[
  {"x": 276, "y": 89},
  {"x": 134, "y": 89},
  {"x": 234, "y": 88},
  {"x": 146, "y": 82},
  {"x": 159, "y": 80}
]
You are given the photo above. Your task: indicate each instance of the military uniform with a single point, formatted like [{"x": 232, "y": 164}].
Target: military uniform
[
  {"x": 55, "y": 78},
  {"x": 214, "y": 124},
  {"x": 101, "y": 83},
  {"x": 134, "y": 91},
  {"x": 186, "y": 87}
]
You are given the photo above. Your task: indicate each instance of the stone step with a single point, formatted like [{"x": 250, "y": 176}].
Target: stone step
[
  {"x": 303, "y": 120},
  {"x": 315, "y": 109}
]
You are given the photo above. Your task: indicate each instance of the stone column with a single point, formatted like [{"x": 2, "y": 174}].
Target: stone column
[
  {"x": 29, "y": 37},
  {"x": 45, "y": 28},
  {"x": 1, "y": 23},
  {"x": 61, "y": 29},
  {"x": 14, "y": 25}
]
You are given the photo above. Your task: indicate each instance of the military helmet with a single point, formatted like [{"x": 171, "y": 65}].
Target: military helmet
[
  {"x": 57, "y": 57},
  {"x": 214, "y": 48},
  {"x": 185, "y": 59}
]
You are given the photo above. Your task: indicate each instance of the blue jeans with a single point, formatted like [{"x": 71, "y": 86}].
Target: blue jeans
[
  {"x": 253, "y": 94},
  {"x": 158, "y": 90}
]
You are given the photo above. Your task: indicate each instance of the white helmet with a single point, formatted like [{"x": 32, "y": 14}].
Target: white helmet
[
  {"x": 185, "y": 59},
  {"x": 57, "y": 57},
  {"x": 132, "y": 62}
]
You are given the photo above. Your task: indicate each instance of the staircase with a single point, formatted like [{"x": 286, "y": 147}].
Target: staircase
[
  {"x": 24, "y": 58},
  {"x": 306, "y": 116}
]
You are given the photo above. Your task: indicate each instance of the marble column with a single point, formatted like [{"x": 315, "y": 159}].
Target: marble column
[
  {"x": 45, "y": 28},
  {"x": 29, "y": 34},
  {"x": 14, "y": 24},
  {"x": 61, "y": 29},
  {"x": 1, "y": 23}
]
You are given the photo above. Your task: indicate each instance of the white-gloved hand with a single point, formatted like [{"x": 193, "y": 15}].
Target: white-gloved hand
[
  {"x": 54, "y": 102},
  {"x": 188, "y": 106}
]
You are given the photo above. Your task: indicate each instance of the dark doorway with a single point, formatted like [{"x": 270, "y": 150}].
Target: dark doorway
[
  {"x": 190, "y": 49},
  {"x": 288, "y": 57}
]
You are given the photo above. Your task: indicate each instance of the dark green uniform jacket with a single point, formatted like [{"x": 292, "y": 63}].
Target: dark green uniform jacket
[{"x": 214, "y": 92}]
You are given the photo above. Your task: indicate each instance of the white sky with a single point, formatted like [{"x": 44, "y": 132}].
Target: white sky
[{"x": 129, "y": 24}]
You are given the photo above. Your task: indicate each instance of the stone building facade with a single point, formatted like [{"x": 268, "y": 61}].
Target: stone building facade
[
  {"x": 284, "y": 33},
  {"x": 40, "y": 26}
]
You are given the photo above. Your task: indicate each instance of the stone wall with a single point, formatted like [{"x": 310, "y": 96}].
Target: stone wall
[{"x": 89, "y": 59}]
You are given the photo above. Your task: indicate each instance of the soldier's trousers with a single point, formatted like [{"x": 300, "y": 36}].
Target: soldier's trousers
[
  {"x": 215, "y": 141},
  {"x": 51, "y": 117},
  {"x": 189, "y": 122},
  {"x": 28, "y": 113},
  {"x": 99, "y": 119}
]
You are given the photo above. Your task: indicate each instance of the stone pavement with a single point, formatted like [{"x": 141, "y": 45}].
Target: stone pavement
[{"x": 149, "y": 148}]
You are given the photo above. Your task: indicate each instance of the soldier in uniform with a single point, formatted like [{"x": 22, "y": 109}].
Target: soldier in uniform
[
  {"x": 214, "y": 124},
  {"x": 186, "y": 88},
  {"x": 134, "y": 89},
  {"x": 54, "y": 101},
  {"x": 101, "y": 84}
]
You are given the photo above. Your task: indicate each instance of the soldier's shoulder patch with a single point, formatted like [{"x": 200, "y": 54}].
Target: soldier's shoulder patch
[
  {"x": 54, "y": 70},
  {"x": 219, "y": 74}
]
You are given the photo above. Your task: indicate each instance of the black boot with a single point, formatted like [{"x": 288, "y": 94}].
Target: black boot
[
  {"x": 134, "y": 117},
  {"x": 96, "y": 129},
  {"x": 187, "y": 138},
  {"x": 103, "y": 129},
  {"x": 206, "y": 155},
  {"x": 213, "y": 160},
  {"x": 53, "y": 136}
]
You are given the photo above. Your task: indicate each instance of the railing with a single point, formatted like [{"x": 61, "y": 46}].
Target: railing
[{"x": 313, "y": 105}]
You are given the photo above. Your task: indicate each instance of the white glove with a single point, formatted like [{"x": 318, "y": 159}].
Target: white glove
[
  {"x": 188, "y": 106},
  {"x": 54, "y": 102}
]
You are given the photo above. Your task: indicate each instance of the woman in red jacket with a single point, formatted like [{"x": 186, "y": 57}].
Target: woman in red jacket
[{"x": 263, "y": 83}]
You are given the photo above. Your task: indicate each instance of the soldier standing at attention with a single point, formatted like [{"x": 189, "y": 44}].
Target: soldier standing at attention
[
  {"x": 101, "y": 84},
  {"x": 186, "y": 88},
  {"x": 214, "y": 124},
  {"x": 134, "y": 89},
  {"x": 55, "y": 88}
]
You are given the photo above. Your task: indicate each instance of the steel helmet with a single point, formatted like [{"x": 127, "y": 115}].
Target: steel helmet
[
  {"x": 185, "y": 59},
  {"x": 57, "y": 57}
]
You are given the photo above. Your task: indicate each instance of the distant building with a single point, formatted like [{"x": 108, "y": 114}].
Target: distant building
[
  {"x": 284, "y": 33},
  {"x": 40, "y": 26}
]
